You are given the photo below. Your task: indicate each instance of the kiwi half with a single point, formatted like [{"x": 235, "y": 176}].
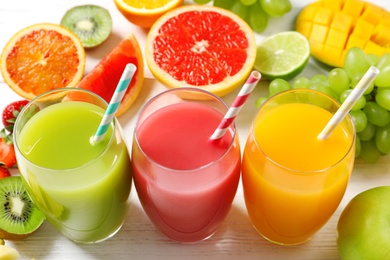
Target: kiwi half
[
  {"x": 91, "y": 23},
  {"x": 19, "y": 217}
]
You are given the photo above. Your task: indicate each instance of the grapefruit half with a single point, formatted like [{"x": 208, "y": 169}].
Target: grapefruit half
[
  {"x": 104, "y": 77},
  {"x": 201, "y": 46}
]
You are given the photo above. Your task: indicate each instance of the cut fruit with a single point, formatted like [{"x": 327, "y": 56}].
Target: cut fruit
[
  {"x": 19, "y": 217},
  {"x": 335, "y": 26},
  {"x": 104, "y": 77},
  {"x": 42, "y": 57},
  {"x": 145, "y": 12},
  {"x": 8, "y": 253},
  {"x": 91, "y": 23},
  {"x": 201, "y": 46},
  {"x": 282, "y": 55}
]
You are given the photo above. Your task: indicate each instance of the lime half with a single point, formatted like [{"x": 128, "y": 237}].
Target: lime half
[{"x": 282, "y": 55}]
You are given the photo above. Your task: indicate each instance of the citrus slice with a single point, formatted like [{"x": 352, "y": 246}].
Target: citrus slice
[
  {"x": 104, "y": 77},
  {"x": 201, "y": 46},
  {"x": 145, "y": 12},
  {"x": 282, "y": 55},
  {"x": 42, "y": 57}
]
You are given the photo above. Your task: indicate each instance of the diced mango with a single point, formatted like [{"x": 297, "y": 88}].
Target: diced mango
[
  {"x": 342, "y": 22},
  {"x": 336, "y": 39},
  {"x": 334, "y": 26}
]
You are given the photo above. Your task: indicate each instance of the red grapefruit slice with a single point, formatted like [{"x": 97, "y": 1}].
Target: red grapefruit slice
[{"x": 201, "y": 46}]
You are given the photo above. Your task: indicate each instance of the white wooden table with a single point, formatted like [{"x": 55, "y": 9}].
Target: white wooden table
[{"x": 138, "y": 238}]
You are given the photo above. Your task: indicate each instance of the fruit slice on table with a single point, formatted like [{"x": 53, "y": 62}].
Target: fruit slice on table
[
  {"x": 282, "y": 55},
  {"x": 201, "y": 46},
  {"x": 104, "y": 77},
  {"x": 335, "y": 26},
  {"x": 42, "y": 57},
  {"x": 19, "y": 217},
  {"x": 91, "y": 23},
  {"x": 145, "y": 12},
  {"x": 8, "y": 253}
]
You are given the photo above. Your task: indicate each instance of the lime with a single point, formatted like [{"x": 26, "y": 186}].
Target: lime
[{"x": 282, "y": 55}]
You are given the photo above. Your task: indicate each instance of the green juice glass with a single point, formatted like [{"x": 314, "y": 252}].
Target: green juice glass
[{"x": 82, "y": 187}]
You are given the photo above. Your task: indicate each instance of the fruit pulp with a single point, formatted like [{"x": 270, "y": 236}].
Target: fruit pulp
[
  {"x": 292, "y": 181},
  {"x": 185, "y": 183},
  {"x": 81, "y": 188}
]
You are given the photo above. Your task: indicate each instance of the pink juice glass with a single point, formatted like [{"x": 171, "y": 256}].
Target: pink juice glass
[{"x": 186, "y": 184}]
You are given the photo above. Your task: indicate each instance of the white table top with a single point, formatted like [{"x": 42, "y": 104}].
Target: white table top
[{"x": 138, "y": 238}]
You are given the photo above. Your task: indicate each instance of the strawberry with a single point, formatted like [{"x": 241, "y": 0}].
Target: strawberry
[
  {"x": 4, "y": 172},
  {"x": 10, "y": 113},
  {"x": 7, "y": 150}
]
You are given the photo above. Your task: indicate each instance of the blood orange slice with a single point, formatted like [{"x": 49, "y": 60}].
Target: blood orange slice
[
  {"x": 42, "y": 57},
  {"x": 104, "y": 77},
  {"x": 201, "y": 46}
]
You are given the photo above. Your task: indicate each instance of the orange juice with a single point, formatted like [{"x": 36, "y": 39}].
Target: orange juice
[{"x": 292, "y": 181}]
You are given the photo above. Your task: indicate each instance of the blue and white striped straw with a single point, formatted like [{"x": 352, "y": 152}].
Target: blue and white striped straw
[{"x": 115, "y": 101}]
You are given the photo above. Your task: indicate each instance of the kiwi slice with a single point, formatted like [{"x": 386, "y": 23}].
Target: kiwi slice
[
  {"x": 19, "y": 217},
  {"x": 91, "y": 23}
]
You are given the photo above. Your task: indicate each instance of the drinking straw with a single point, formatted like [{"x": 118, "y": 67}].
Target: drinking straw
[
  {"x": 115, "y": 101},
  {"x": 238, "y": 103},
  {"x": 352, "y": 98}
]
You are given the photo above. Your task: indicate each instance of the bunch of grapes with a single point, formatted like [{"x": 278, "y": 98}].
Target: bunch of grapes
[
  {"x": 371, "y": 113},
  {"x": 254, "y": 12}
]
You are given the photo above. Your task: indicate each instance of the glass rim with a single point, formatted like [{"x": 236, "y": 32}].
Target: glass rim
[
  {"x": 181, "y": 89},
  {"x": 304, "y": 90},
  {"x": 50, "y": 92}
]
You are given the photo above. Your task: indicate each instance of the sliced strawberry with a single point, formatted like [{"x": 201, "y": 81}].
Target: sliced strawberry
[
  {"x": 10, "y": 113},
  {"x": 4, "y": 172},
  {"x": 7, "y": 150}
]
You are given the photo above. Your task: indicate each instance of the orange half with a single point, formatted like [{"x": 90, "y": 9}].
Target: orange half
[
  {"x": 40, "y": 58},
  {"x": 145, "y": 12}
]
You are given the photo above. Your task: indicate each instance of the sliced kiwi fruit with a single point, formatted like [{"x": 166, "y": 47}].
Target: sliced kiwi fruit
[
  {"x": 91, "y": 23},
  {"x": 19, "y": 217}
]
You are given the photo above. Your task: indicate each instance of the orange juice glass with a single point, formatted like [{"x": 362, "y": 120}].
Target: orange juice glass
[{"x": 292, "y": 181}]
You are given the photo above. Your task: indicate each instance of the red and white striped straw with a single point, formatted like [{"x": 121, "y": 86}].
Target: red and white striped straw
[{"x": 238, "y": 103}]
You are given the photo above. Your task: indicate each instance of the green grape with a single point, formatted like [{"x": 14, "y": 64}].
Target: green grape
[
  {"x": 319, "y": 78},
  {"x": 201, "y": 2},
  {"x": 239, "y": 9},
  {"x": 276, "y": 8},
  {"x": 359, "y": 119},
  {"x": 301, "y": 82},
  {"x": 369, "y": 152},
  {"x": 373, "y": 59},
  {"x": 360, "y": 103},
  {"x": 369, "y": 97},
  {"x": 260, "y": 101},
  {"x": 356, "y": 62},
  {"x": 382, "y": 139},
  {"x": 376, "y": 114},
  {"x": 355, "y": 80},
  {"x": 322, "y": 87},
  {"x": 248, "y": 2},
  {"x": 382, "y": 97},
  {"x": 358, "y": 147},
  {"x": 338, "y": 80},
  {"x": 225, "y": 4},
  {"x": 383, "y": 78},
  {"x": 257, "y": 18},
  {"x": 368, "y": 133},
  {"x": 278, "y": 85}
]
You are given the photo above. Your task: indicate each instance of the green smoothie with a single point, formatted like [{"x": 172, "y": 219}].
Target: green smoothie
[{"x": 82, "y": 187}]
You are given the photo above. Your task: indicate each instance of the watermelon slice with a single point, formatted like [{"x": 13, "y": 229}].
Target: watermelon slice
[{"x": 104, "y": 77}]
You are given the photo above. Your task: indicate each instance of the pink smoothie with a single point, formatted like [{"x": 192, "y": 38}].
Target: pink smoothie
[{"x": 187, "y": 185}]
